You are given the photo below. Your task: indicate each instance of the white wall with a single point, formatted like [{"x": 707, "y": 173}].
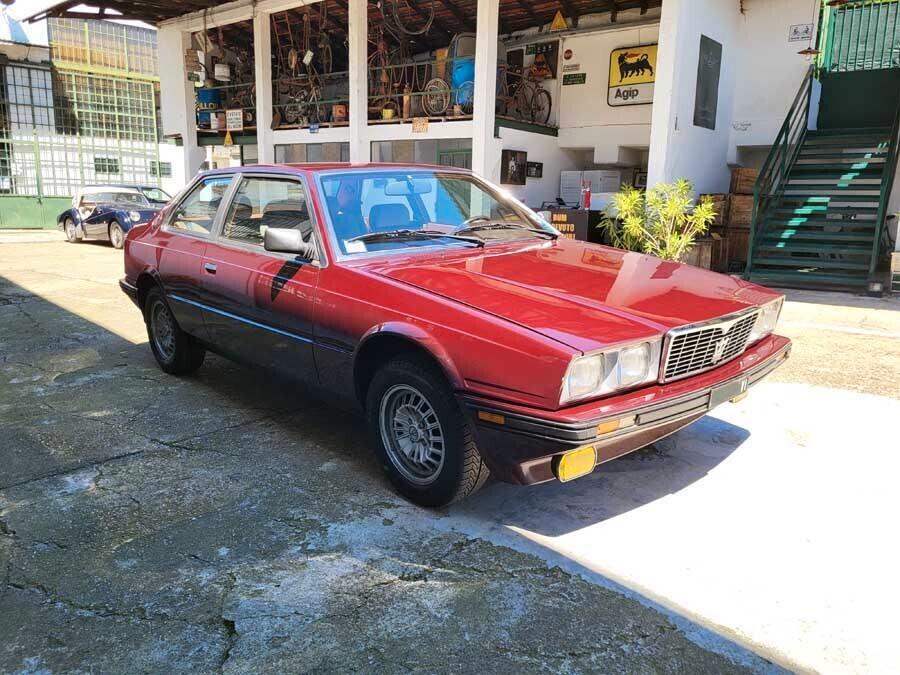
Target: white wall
[
  {"x": 540, "y": 148},
  {"x": 768, "y": 70},
  {"x": 678, "y": 149}
]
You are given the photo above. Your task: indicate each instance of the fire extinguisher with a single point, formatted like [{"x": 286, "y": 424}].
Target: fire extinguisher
[{"x": 586, "y": 195}]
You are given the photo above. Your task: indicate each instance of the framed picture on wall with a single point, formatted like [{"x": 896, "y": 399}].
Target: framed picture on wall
[
  {"x": 534, "y": 169},
  {"x": 512, "y": 167}
]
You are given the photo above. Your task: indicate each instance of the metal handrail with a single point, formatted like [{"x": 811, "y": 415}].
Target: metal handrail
[
  {"x": 773, "y": 175},
  {"x": 887, "y": 183}
]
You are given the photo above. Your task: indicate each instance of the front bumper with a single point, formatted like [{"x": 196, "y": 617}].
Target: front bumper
[{"x": 522, "y": 448}]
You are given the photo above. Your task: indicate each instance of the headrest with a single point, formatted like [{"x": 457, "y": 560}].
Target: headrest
[{"x": 388, "y": 217}]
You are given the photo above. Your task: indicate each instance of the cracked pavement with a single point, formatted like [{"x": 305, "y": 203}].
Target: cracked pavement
[{"x": 230, "y": 522}]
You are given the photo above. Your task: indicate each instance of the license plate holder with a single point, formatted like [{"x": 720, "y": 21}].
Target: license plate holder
[{"x": 727, "y": 392}]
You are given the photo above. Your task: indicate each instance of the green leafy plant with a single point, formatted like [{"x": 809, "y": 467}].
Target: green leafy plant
[{"x": 663, "y": 221}]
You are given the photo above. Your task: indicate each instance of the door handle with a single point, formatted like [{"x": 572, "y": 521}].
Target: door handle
[{"x": 210, "y": 267}]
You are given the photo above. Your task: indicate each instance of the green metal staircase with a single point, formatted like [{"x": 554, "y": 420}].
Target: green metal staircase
[{"x": 820, "y": 202}]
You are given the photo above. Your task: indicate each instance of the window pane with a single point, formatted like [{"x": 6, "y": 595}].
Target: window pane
[
  {"x": 198, "y": 211},
  {"x": 267, "y": 202}
]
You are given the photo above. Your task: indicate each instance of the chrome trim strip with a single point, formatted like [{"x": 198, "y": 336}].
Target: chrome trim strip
[{"x": 229, "y": 315}]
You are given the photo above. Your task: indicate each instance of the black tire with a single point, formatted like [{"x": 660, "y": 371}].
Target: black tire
[
  {"x": 116, "y": 235},
  {"x": 179, "y": 354},
  {"x": 69, "y": 229},
  {"x": 461, "y": 471}
]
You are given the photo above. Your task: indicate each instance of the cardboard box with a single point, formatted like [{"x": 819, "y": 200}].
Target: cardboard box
[{"x": 743, "y": 181}]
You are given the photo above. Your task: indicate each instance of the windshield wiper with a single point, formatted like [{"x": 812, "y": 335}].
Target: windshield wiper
[
  {"x": 414, "y": 234},
  {"x": 501, "y": 225}
]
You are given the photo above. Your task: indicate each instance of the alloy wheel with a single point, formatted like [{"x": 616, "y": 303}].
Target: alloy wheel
[
  {"x": 162, "y": 329},
  {"x": 412, "y": 434}
]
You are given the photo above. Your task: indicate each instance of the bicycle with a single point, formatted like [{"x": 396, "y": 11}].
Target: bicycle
[{"x": 530, "y": 101}]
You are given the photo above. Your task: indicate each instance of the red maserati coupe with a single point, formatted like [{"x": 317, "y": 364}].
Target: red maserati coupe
[{"x": 478, "y": 341}]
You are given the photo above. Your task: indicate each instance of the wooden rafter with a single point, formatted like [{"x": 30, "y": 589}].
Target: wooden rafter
[{"x": 569, "y": 11}]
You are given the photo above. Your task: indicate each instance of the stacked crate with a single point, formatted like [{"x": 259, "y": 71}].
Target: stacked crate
[{"x": 734, "y": 219}]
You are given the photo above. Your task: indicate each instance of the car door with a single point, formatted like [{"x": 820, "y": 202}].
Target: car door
[
  {"x": 89, "y": 212},
  {"x": 182, "y": 243},
  {"x": 261, "y": 303}
]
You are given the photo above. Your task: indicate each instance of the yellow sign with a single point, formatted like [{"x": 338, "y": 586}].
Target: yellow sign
[
  {"x": 632, "y": 72},
  {"x": 420, "y": 125},
  {"x": 559, "y": 22},
  {"x": 228, "y": 140}
]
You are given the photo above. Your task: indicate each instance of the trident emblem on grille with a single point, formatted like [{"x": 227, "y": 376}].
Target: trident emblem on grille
[{"x": 719, "y": 349}]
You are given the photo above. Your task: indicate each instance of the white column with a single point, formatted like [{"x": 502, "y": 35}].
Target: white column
[
  {"x": 358, "y": 19},
  {"x": 262, "y": 57},
  {"x": 485, "y": 148},
  {"x": 177, "y": 100}
]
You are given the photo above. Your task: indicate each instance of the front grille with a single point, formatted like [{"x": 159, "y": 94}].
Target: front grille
[{"x": 692, "y": 350}]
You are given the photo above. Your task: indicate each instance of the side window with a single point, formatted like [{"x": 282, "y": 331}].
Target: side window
[
  {"x": 260, "y": 203},
  {"x": 197, "y": 211}
]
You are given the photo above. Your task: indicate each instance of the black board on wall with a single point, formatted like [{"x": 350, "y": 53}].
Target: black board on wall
[{"x": 706, "y": 100}]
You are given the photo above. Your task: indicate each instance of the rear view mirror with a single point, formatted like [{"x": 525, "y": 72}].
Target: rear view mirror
[
  {"x": 288, "y": 240},
  {"x": 402, "y": 188}
]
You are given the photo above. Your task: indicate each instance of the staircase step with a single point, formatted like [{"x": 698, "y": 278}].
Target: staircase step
[
  {"x": 819, "y": 223},
  {"x": 849, "y": 131},
  {"x": 808, "y": 262},
  {"x": 849, "y": 142},
  {"x": 789, "y": 234},
  {"x": 871, "y": 167},
  {"x": 808, "y": 279},
  {"x": 791, "y": 246},
  {"x": 840, "y": 152},
  {"x": 833, "y": 187}
]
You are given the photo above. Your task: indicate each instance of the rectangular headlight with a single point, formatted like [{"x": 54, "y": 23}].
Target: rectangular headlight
[
  {"x": 612, "y": 370},
  {"x": 765, "y": 321}
]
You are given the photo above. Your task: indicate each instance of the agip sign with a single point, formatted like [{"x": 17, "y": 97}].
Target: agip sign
[{"x": 632, "y": 72}]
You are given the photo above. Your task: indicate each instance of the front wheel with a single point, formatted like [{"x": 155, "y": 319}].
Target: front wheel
[
  {"x": 176, "y": 352},
  {"x": 116, "y": 235},
  {"x": 69, "y": 229},
  {"x": 422, "y": 440}
]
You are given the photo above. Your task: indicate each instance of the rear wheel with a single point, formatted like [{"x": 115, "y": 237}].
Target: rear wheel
[
  {"x": 175, "y": 351},
  {"x": 69, "y": 229},
  {"x": 422, "y": 440},
  {"x": 116, "y": 235}
]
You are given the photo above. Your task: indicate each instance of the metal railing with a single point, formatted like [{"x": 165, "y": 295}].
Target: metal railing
[
  {"x": 887, "y": 183},
  {"x": 773, "y": 175},
  {"x": 861, "y": 36}
]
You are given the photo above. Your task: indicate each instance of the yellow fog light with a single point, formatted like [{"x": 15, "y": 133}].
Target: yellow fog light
[
  {"x": 614, "y": 425},
  {"x": 576, "y": 463}
]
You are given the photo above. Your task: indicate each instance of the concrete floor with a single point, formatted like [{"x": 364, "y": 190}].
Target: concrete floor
[{"x": 229, "y": 522}]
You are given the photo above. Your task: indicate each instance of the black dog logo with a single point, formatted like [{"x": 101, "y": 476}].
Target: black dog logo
[{"x": 639, "y": 66}]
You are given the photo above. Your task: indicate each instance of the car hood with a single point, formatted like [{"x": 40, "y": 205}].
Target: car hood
[{"x": 583, "y": 295}]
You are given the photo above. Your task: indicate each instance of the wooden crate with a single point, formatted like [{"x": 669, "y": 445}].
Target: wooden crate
[
  {"x": 709, "y": 253},
  {"x": 743, "y": 180},
  {"x": 740, "y": 211},
  {"x": 721, "y": 203},
  {"x": 737, "y": 247}
]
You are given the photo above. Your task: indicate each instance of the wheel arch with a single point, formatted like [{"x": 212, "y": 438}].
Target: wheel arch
[
  {"x": 145, "y": 281},
  {"x": 388, "y": 341}
]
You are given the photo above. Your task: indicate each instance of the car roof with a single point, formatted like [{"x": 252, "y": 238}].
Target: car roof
[
  {"x": 322, "y": 167},
  {"x": 111, "y": 188}
]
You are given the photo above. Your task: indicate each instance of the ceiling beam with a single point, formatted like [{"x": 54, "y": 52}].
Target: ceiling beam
[
  {"x": 530, "y": 12},
  {"x": 643, "y": 7},
  {"x": 466, "y": 21}
]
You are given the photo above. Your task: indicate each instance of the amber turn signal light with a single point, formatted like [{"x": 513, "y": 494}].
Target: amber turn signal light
[
  {"x": 491, "y": 417},
  {"x": 576, "y": 463},
  {"x": 609, "y": 426}
]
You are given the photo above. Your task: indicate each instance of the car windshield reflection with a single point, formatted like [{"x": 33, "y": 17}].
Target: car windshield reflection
[{"x": 365, "y": 208}]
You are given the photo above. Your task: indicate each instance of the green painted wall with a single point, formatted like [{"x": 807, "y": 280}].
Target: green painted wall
[
  {"x": 862, "y": 98},
  {"x": 31, "y": 212}
]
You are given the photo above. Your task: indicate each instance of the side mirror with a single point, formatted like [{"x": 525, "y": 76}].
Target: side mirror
[{"x": 288, "y": 240}]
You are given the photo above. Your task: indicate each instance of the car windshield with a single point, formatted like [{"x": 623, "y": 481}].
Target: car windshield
[
  {"x": 155, "y": 195},
  {"x": 130, "y": 198},
  {"x": 378, "y": 211}
]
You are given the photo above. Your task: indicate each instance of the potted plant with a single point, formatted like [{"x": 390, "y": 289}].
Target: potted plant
[{"x": 662, "y": 221}]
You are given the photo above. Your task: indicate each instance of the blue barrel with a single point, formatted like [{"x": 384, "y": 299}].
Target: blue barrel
[{"x": 207, "y": 100}]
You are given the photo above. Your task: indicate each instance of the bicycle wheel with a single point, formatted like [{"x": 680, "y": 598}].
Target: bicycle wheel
[
  {"x": 436, "y": 97},
  {"x": 540, "y": 106},
  {"x": 522, "y": 103},
  {"x": 325, "y": 62},
  {"x": 465, "y": 97}
]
